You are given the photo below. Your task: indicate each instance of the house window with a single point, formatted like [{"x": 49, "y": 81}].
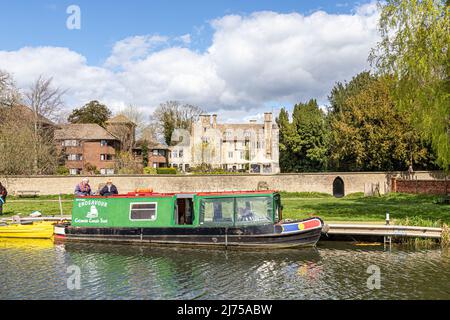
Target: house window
[
  {"x": 70, "y": 143},
  {"x": 75, "y": 171},
  {"x": 174, "y": 153},
  {"x": 143, "y": 211},
  {"x": 103, "y": 143},
  {"x": 155, "y": 164},
  {"x": 155, "y": 152},
  {"x": 106, "y": 157},
  {"x": 75, "y": 157},
  {"x": 230, "y": 154},
  {"x": 106, "y": 171},
  {"x": 241, "y": 154},
  {"x": 180, "y": 153}
]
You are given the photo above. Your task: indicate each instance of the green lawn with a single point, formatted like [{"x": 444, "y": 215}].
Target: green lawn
[
  {"x": 296, "y": 205},
  {"x": 359, "y": 208}
]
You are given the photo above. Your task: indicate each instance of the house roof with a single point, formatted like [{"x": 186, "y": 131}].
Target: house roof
[
  {"x": 151, "y": 145},
  {"x": 120, "y": 118},
  {"x": 83, "y": 131},
  {"x": 157, "y": 145},
  {"x": 26, "y": 112},
  {"x": 243, "y": 126}
]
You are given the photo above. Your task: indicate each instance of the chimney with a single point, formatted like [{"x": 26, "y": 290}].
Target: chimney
[
  {"x": 205, "y": 120},
  {"x": 214, "y": 121},
  {"x": 267, "y": 116}
]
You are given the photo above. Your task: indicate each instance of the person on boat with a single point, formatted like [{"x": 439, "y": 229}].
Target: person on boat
[
  {"x": 83, "y": 189},
  {"x": 109, "y": 189},
  {"x": 3, "y": 194}
]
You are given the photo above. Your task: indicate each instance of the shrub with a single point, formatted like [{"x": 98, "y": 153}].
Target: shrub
[
  {"x": 166, "y": 171},
  {"x": 150, "y": 170},
  {"x": 62, "y": 171}
]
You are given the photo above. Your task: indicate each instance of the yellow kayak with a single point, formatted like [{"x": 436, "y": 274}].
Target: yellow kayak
[{"x": 37, "y": 230}]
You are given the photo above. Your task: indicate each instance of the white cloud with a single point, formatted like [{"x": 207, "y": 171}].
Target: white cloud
[
  {"x": 186, "y": 38},
  {"x": 129, "y": 49},
  {"x": 254, "y": 63}
]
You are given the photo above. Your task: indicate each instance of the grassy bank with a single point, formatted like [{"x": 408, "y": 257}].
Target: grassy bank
[
  {"x": 353, "y": 207},
  {"x": 356, "y": 207}
]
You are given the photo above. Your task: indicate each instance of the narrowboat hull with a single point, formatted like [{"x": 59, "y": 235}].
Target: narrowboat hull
[{"x": 295, "y": 234}]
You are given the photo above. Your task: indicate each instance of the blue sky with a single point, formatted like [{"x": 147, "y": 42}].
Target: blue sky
[
  {"x": 42, "y": 23},
  {"x": 204, "y": 69}
]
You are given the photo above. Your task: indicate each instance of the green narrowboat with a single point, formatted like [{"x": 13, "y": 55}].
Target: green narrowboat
[{"x": 244, "y": 219}]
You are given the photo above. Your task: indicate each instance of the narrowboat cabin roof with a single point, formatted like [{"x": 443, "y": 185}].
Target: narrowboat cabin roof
[{"x": 171, "y": 194}]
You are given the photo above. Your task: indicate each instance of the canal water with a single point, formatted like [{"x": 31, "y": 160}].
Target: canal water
[{"x": 43, "y": 270}]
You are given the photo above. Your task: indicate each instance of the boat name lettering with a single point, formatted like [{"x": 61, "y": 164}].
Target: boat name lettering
[
  {"x": 92, "y": 203},
  {"x": 78, "y": 220}
]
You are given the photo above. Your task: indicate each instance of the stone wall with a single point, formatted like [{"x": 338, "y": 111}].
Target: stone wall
[
  {"x": 303, "y": 182},
  {"x": 421, "y": 186}
]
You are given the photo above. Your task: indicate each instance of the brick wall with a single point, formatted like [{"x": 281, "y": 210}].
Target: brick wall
[{"x": 421, "y": 186}]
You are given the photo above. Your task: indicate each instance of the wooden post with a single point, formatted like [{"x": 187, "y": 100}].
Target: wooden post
[{"x": 60, "y": 205}]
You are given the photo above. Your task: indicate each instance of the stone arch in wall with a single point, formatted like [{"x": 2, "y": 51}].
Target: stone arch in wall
[{"x": 338, "y": 187}]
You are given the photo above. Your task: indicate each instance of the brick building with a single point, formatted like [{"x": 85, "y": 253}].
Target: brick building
[
  {"x": 85, "y": 147},
  {"x": 158, "y": 155}
]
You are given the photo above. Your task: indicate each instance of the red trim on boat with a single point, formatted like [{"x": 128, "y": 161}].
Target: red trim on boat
[{"x": 162, "y": 195}]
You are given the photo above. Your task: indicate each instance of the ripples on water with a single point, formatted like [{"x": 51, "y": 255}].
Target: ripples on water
[{"x": 38, "y": 270}]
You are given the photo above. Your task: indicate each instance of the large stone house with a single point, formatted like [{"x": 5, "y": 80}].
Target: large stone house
[{"x": 248, "y": 147}]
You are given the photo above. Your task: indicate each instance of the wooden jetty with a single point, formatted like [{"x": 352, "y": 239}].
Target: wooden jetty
[{"x": 337, "y": 230}]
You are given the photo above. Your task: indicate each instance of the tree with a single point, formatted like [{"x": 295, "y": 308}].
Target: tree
[
  {"x": 9, "y": 94},
  {"x": 368, "y": 133},
  {"x": 303, "y": 143},
  {"x": 172, "y": 115},
  {"x": 414, "y": 51},
  {"x": 137, "y": 117},
  {"x": 126, "y": 163},
  {"x": 26, "y": 145},
  {"x": 92, "y": 112},
  {"x": 286, "y": 135},
  {"x": 45, "y": 102}
]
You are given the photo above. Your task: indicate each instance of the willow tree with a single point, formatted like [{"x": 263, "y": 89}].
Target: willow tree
[{"x": 414, "y": 51}]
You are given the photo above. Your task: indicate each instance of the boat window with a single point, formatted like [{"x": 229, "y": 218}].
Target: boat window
[
  {"x": 143, "y": 211},
  {"x": 254, "y": 210},
  {"x": 278, "y": 207},
  {"x": 217, "y": 211}
]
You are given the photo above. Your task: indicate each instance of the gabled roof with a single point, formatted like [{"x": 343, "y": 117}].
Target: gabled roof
[
  {"x": 83, "y": 131},
  {"x": 26, "y": 112},
  {"x": 120, "y": 118},
  {"x": 157, "y": 145},
  {"x": 151, "y": 145}
]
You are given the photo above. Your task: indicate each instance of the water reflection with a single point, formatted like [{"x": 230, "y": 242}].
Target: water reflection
[{"x": 331, "y": 271}]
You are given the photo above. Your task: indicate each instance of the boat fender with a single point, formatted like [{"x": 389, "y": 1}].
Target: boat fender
[{"x": 142, "y": 190}]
